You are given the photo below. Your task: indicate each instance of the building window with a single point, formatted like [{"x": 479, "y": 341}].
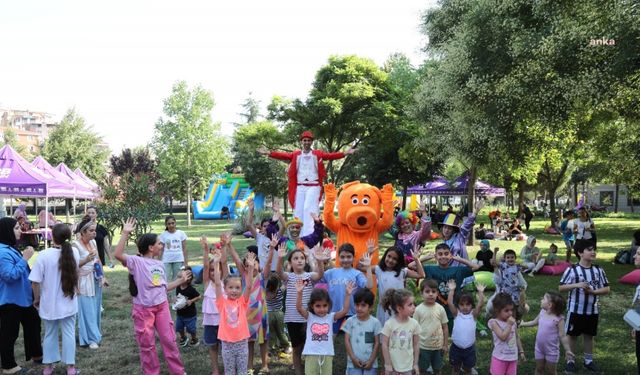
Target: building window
[{"x": 606, "y": 198}]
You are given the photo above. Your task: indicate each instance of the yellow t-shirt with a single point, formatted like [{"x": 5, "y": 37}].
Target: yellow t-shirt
[
  {"x": 401, "y": 342},
  {"x": 431, "y": 319}
]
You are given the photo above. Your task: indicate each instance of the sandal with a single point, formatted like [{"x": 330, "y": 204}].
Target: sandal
[{"x": 263, "y": 371}]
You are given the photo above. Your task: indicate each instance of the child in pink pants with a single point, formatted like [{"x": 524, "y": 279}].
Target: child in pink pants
[{"x": 150, "y": 310}]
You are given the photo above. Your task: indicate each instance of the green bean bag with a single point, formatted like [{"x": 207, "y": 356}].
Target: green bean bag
[{"x": 484, "y": 277}]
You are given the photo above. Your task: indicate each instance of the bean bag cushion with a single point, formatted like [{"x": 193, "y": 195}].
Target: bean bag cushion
[
  {"x": 557, "y": 269},
  {"x": 435, "y": 236},
  {"x": 484, "y": 277},
  {"x": 632, "y": 278},
  {"x": 247, "y": 234},
  {"x": 197, "y": 274}
]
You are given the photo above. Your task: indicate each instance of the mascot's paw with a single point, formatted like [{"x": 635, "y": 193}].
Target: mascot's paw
[
  {"x": 330, "y": 190},
  {"x": 387, "y": 192}
]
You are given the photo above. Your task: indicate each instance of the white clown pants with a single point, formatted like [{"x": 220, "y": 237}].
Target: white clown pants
[{"x": 307, "y": 201}]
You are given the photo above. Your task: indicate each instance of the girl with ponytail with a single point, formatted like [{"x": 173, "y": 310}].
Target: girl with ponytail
[
  {"x": 150, "y": 311},
  {"x": 55, "y": 279}
]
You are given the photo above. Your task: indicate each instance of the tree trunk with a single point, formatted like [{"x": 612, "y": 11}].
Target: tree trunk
[
  {"x": 404, "y": 198},
  {"x": 286, "y": 204},
  {"x": 471, "y": 198},
  {"x": 171, "y": 205},
  {"x": 615, "y": 199},
  {"x": 575, "y": 194},
  {"x": 521, "y": 196},
  {"x": 188, "y": 204}
]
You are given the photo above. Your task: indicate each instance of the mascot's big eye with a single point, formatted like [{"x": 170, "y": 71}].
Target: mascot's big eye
[
  {"x": 354, "y": 199},
  {"x": 365, "y": 201}
]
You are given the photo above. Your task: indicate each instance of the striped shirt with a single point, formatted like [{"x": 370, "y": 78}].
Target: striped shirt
[
  {"x": 579, "y": 302},
  {"x": 291, "y": 314},
  {"x": 275, "y": 303}
]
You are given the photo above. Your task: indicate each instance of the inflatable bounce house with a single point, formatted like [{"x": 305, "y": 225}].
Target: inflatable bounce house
[{"x": 226, "y": 197}]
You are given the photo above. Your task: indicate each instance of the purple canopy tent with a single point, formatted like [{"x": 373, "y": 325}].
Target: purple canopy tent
[
  {"x": 430, "y": 187},
  {"x": 461, "y": 187},
  {"x": 79, "y": 173},
  {"x": 62, "y": 168},
  {"x": 18, "y": 177},
  {"x": 76, "y": 190}
]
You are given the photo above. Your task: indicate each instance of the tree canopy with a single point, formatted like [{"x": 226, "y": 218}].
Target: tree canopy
[
  {"x": 74, "y": 143},
  {"x": 188, "y": 145}
]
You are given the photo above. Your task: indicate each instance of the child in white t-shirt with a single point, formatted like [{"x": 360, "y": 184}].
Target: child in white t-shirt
[
  {"x": 318, "y": 347},
  {"x": 174, "y": 252},
  {"x": 55, "y": 277}
]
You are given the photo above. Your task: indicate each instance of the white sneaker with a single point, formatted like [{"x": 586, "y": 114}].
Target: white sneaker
[{"x": 93, "y": 346}]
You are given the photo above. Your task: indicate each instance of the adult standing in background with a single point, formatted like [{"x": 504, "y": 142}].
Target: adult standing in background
[
  {"x": 16, "y": 300},
  {"x": 90, "y": 282},
  {"x": 103, "y": 239},
  {"x": 306, "y": 177},
  {"x": 174, "y": 253},
  {"x": 528, "y": 216}
]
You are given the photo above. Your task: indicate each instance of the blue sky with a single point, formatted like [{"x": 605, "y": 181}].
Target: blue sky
[{"x": 115, "y": 61}]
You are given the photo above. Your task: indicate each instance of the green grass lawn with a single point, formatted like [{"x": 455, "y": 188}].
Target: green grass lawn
[{"x": 614, "y": 352}]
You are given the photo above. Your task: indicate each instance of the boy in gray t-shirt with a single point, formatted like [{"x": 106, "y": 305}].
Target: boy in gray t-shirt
[{"x": 361, "y": 336}]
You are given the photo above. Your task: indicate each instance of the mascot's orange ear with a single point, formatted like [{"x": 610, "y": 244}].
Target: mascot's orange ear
[
  {"x": 344, "y": 186},
  {"x": 378, "y": 192}
]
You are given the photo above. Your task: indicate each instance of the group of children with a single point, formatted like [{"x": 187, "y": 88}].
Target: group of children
[{"x": 301, "y": 297}]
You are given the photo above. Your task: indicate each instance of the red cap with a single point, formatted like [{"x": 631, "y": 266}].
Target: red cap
[{"x": 306, "y": 134}]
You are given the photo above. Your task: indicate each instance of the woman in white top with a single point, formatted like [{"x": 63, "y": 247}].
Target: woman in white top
[
  {"x": 174, "y": 253},
  {"x": 583, "y": 227},
  {"x": 55, "y": 277},
  {"x": 90, "y": 282}
]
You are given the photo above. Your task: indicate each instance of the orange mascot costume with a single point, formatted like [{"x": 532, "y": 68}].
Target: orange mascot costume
[{"x": 363, "y": 213}]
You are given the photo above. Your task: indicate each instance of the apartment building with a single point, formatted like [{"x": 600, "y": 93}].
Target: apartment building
[{"x": 30, "y": 127}]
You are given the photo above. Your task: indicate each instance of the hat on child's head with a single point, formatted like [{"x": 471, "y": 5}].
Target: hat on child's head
[
  {"x": 484, "y": 244},
  {"x": 306, "y": 134},
  {"x": 295, "y": 220},
  {"x": 451, "y": 220}
]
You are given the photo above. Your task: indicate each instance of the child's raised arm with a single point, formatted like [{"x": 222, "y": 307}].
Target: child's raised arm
[
  {"x": 347, "y": 301},
  {"x": 266, "y": 271},
  {"x": 494, "y": 261},
  {"x": 205, "y": 260},
  {"x": 480, "y": 287},
  {"x": 320, "y": 255},
  {"x": 217, "y": 256},
  {"x": 366, "y": 262},
  {"x": 127, "y": 227},
  {"x": 282, "y": 253},
  {"x": 250, "y": 224},
  {"x": 300, "y": 284},
  {"x": 248, "y": 275},
  {"x": 225, "y": 239},
  {"x": 419, "y": 274},
  {"x": 466, "y": 262},
  {"x": 451, "y": 285}
]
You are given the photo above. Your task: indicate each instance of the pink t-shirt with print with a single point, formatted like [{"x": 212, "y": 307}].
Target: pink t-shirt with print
[
  {"x": 233, "y": 325},
  {"x": 149, "y": 276}
]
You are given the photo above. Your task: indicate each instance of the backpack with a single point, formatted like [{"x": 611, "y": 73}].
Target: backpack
[{"x": 623, "y": 257}]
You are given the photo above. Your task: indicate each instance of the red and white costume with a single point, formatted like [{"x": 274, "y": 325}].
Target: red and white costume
[{"x": 306, "y": 177}]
